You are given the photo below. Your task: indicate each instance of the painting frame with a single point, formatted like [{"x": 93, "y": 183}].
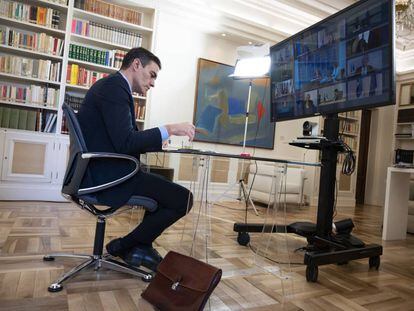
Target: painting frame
[{"x": 220, "y": 107}]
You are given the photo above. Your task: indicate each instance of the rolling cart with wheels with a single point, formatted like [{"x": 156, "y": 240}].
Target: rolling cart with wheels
[{"x": 324, "y": 247}]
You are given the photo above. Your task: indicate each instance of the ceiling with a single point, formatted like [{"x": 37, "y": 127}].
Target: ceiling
[
  {"x": 257, "y": 21},
  {"x": 260, "y": 21}
]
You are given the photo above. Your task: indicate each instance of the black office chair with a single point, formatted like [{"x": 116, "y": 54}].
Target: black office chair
[{"x": 86, "y": 199}]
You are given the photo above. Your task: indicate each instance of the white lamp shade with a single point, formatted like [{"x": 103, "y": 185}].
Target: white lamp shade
[{"x": 255, "y": 67}]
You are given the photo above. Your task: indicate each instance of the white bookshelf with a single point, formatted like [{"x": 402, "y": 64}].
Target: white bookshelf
[
  {"x": 93, "y": 66},
  {"x": 403, "y": 108},
  {"x": 27, "y": 105},
  {"x": 51, "y": 4},
  {"x": 346, "y": 185},
  {"x": 344, "y": 117},
  {"x": 32, "y": 27},
  {"x": 72, "y": 87},
  {"x": 80, "y": 88},
  {"x": 9, "y": 76},
  {"x": 52, "y": 148},
  {"x": 349, "y": 134},
  {"x": 110, "y": 21},
  {"x": 145, "y": 31},
  {"x": 404, "y": 138},
  {"x": 28, "y": 53}
]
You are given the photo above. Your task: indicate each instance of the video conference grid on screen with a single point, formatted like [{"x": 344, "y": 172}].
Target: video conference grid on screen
[{"x": 341, "y": 64}]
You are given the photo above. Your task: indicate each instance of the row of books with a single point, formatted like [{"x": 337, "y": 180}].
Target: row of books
[
  {"x": 76, "y": 75},
  {"x": 16, "y": 118},
  {"x": 110, "y": 10},
  {"x": 111, "y": 58},
  {"x": 106, "y": 33},
  {"x": 30, "y": 13},
  {"x": 139, "y": 112},
  {"x": 39, "y": 42},
  {"x": 74, "y": 101},
  {"x": 29, "y": 94},
  {"x": 27, "y": 67},
  {"x": 350, "y": 127},
  {"x": 48, "y": 122}
]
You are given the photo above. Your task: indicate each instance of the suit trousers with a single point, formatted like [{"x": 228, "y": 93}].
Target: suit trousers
[{"x": 173, "y": 203}]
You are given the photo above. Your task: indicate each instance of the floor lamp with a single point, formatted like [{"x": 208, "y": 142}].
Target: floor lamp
[{"x": 249, "y": 68}]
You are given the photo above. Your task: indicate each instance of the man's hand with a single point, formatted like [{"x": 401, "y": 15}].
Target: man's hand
[{"x": 181, "y": 129}]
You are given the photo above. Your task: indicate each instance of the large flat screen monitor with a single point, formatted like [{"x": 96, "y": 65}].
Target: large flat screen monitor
[{"x": 345, "y": 62}]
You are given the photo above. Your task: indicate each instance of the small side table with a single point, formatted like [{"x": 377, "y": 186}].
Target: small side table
[{"x": 396, "y": 203}]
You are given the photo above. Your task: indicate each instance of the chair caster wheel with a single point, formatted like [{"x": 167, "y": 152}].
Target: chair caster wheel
[
  {"x": 374, "y": 262},
  {"x": 55, "y": 287},
  {"x": 243, "y": 238},
  {"x": 48, "y": 258},
  {"x": 312, "y": 273}
]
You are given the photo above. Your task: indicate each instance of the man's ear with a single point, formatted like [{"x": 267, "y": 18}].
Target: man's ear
[{"x": 139, "y": 63}]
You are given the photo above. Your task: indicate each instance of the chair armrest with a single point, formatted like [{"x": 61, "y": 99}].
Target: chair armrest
[{"x": 95, "y": 155}]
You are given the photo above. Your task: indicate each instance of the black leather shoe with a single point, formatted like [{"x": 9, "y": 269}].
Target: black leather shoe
[
  {"x": 115, "y": 248},
  {"x": 143, "y": 256}
]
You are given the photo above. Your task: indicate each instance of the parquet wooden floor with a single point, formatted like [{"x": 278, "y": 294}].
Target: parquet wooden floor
[{"x": 28, "y": 230}]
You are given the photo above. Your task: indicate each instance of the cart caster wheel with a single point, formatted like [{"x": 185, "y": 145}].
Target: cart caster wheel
[
  {"x": 48, "y": 258},
  {"x": 55, "y": 287},
  {"x": 374, "y": 262},
  {"x": 243, "y": 238},
  {"x": 147, "y": 278},
  {"x": 311, "y": 273}
]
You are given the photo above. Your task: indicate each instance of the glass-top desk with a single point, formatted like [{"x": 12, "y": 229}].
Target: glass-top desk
[
  {"x": 214, "y": 176},
  {"x": 224, "y": 170}
]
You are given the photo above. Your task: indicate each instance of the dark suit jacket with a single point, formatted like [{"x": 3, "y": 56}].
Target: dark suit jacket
[
  {"x": 108, "y": 124},
  {"x": 370, "y": 69}
]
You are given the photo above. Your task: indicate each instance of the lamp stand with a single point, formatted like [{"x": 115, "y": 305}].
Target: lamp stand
[
  {"x": 243, "y": 189},
  {"x": 247, "y": 120}
]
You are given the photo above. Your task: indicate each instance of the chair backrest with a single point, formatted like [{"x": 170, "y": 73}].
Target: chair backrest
[{"x": 77, "y": 166}]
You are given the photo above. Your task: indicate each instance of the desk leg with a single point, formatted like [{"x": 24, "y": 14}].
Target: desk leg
[
  {"x": 396, "y": 206},
  {"x": 197, "y": 222}
]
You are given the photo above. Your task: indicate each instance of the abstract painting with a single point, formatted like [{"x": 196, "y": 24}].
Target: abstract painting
[{"x": 220, "y": 107}]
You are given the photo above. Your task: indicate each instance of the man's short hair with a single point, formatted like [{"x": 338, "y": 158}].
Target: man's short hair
[{"x": 142, "y": 54}]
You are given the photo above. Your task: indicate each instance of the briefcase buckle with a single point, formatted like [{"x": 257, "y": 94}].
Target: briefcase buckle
[{"x": 175, "y": 285}]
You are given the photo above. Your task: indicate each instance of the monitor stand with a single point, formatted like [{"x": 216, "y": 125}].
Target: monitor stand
[{"x": 324, "y": 247}]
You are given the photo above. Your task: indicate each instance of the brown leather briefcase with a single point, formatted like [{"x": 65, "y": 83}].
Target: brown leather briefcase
[{"x": 182, "y": 283}]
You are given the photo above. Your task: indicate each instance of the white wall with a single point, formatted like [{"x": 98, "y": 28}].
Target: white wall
[
  {"x": 179, "y": 45},
  {"x": 379, "y": 154}
]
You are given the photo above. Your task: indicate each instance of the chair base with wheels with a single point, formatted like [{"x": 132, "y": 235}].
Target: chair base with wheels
[{"x": 98, "y": 259}]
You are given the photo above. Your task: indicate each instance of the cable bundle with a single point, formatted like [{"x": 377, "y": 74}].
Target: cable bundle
[{"x": 348, "y": 166}]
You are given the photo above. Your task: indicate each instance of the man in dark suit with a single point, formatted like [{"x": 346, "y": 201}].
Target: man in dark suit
[{"x": 108, "y": 123}]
